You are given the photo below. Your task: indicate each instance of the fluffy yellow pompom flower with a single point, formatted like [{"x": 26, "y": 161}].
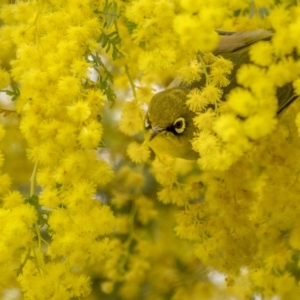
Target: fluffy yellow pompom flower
[
  {"x": 212, "y": 93},
  {"x": 218, "y": 77},
  {"x": 5, "y": 183},
  {"x": 145, "y": 209},
  {"x": 219, "y": 62},
  {"x": 12, "y": 199},
  {"x": 247, "y": 72},
  {"x": 79, "y": 112},
  {"x": 205, "y": 120},
  {"x": 49, "y": 198},
  {"x": 205, "y": 143},
  {"x": 4, "y": 79},
  {"x": 164, "y": 171},
  {"x": 157, "y": 59},
  {"x": 242, "y": 102},
  {"x": 296, "y": 85},
  {"x": 147, "y": 61},
  {"x": 259, "y": 125},
  {"x": 261, "y": 53},
  {"x": 284, "y": 71},
  {"x": 69, "y": 86},
  {"x": 130, "y": 123},
  {"x": 219, "y": 70},
  {"x": 138, "y": 153},
  {"x": 191, "y": 73},
  {"x": 196, "y": 101},
  {"x": 95, "y": 98},
  {"x": 230, "y": 129},
  {"x": 80, "y": 68},
  {"x": 90, "y": 135},
  {"x": 190, "y": 30},
  {"x": 172, "y": 195}
]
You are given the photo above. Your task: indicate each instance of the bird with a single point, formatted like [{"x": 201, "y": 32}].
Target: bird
[{"x": 168, "y": 123}]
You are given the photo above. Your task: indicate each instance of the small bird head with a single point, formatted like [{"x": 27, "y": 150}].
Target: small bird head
[{"x": 169, "y": 126}]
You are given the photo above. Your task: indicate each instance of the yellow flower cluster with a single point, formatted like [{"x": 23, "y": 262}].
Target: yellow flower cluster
[
  {"x": 131, "y": 121},
  {"x": 235, "y": 225},
  {"x": 250, "y": 110},
  {"x": 90, "y": 231},
  {"x": 168, "y": 32},
  {"x": 138, "y": 153},
  {"x": 60, "y": 109},
  {"x": 239, "y": 224},
  {"x": 168, "y": 173}
]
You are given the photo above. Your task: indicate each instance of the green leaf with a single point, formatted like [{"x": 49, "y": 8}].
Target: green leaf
[
  {"x": 109, "y": 41},
  {"x": 110, "y": 13},
  {"x": 131, "y": 26},
  {"x": 41, "y": 212}
]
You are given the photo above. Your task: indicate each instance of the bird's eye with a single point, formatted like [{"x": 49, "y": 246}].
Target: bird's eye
[
  {"x": 179, "y": 125},
  {"x": 147, "y": 123}
]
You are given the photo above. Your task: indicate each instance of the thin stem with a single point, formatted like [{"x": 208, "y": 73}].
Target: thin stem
[
  {"x": 205, "y": 68},
  {"x": 20, "y": 269},
  {"x": 9, "y": 111},
  {"x": 33, "y": 180},
  {"x": 38, "y": 232},
  {"x": 108, "y": 13},
  {"x": 43, "y": 240},
  {"x": 130, "y": 238},
  {"x": 130, "y": 80},
  {"x": 36, "y": 261}
]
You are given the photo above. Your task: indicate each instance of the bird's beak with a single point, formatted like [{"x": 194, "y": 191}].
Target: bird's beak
[{"x": 155, "y": 131}]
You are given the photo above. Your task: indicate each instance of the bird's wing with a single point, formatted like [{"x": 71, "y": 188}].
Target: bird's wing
[{"x": 231, "y": 42}]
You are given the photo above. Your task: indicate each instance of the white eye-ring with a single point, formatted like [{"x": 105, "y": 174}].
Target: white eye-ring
[{"x": 179, "y": 125}]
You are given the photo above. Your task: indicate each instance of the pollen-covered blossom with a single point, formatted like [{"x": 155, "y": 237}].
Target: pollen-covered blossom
[
  {"x": 262, "y": 53},
  {"x": 219, "y": 71},
  {"x": 191, "y": 73},
  {"x": 205, "y": 142},
  {"x": 130, "y": 123},
  {"x": 5, "y": 183},
  {"x": 145, "y": 210},
  {"x": 247, "y": 72},
  {"x": 4, "y": 177},
  {"x": 259, "y": 125},
  {"x": 196, "y": 101},
  {"x": 59, "y": 110},
  {"x": 159, "y": 58},
  {"x": 205, "y": 120},
  {"x": 4, "y": 79},
  {"x": 164, "y": 171},
  {"x": 90, "y": 135},
  {"x": 242, "y": 102},
  {"x": 212, "y": 93},
  {"x": 54, "y": 282},
  {"x": 188, "y": 25},
  {"x": 229, "y": 128},
  {"x": 79, "y": 111},
  {"x": 172, "y": 195},
  {"x": 138, "y": 153}
]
